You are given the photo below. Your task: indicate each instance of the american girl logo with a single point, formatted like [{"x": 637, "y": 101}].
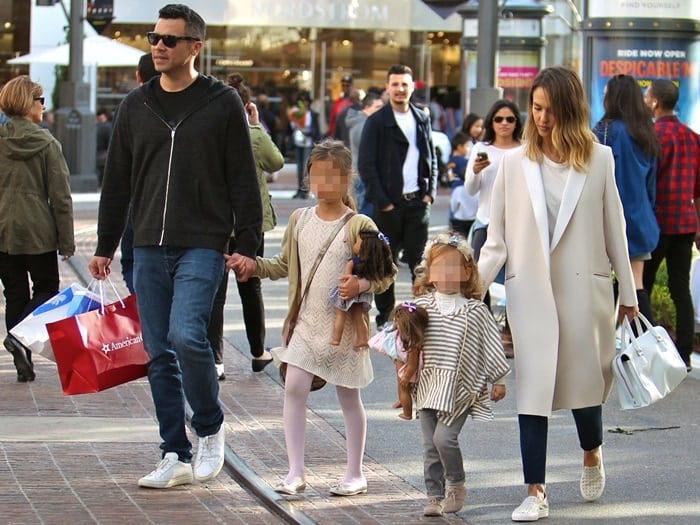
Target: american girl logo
[{"x": 120, "y": 345}]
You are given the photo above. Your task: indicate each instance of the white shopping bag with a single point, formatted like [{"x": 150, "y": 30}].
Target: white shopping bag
[
  {"x": 695, "y": 290},
  {"x": 31, "y": 331}
]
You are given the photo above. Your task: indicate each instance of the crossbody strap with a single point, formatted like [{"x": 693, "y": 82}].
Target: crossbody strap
[{"x": 323, "y": 251}]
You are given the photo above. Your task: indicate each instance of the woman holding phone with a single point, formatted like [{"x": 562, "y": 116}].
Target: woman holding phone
[{"x": 503, "y": 128}]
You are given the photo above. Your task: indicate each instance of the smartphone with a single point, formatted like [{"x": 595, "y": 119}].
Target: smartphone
[{"x": 482, "y": 155}]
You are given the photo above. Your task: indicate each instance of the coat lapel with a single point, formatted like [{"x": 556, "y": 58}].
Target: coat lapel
[
  {"x": 533, "y": 179},
  {"x": 572, "y": 193}
]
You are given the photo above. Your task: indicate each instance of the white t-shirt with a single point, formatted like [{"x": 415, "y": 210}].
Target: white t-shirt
[
  {"x": 554, "y": 177},
  {"x": 407, "y": 123},
  {"x": 482, "y": 183},
  {"x": 462, "y": 205}
]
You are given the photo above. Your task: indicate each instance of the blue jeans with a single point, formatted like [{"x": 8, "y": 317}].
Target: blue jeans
[
  {"x": 533, "y": 439},
  {"x": 175, "y": 290}
]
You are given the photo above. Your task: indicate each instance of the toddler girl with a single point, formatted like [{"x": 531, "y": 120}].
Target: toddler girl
[
  {"x": 462, "y": 352},
  {"x": 372, "y": 261}
]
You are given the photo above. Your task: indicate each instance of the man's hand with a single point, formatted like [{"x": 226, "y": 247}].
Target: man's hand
[
  {"x": 243, "y": 266},
  {"x": 99, "y": 267}
]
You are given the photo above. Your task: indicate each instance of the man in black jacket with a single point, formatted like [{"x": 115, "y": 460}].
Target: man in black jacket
[
  {"x": 398, "y": 166},
  {"x": 181, "y": 154}
]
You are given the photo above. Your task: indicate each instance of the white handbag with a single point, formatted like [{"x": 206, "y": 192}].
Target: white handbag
[{"x": 647, "y": 367}]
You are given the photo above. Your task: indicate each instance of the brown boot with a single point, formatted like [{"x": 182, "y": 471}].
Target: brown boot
[{"x": 454, "y": 498}]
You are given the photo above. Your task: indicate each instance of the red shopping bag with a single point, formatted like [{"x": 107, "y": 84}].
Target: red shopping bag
[{"x": 99, "y": 349}]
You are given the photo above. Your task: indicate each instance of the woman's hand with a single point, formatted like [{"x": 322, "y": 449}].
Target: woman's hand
[
  {"x": 481, "y": 164},
  {"x": 253, "y": 116},
  {"x": 626, "y": 311}
]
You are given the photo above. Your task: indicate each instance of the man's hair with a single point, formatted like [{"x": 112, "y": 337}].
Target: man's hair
[
  {"x": 666, "y": 92},
  {"x": 146, "y": 69},
  {"x": 399, "y": 69},
  {"x": 369, "y": 99},
  {"x": 194, "y": 24}
]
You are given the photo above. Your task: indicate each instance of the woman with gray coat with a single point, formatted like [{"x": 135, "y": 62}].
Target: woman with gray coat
[{"x": 36, "y": 211}]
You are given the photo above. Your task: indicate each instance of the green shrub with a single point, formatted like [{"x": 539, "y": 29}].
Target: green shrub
[{"x": 661, "y": 302}]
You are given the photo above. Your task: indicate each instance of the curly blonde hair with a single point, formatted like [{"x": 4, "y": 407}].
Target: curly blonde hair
[{"x": 437, "y": 246}]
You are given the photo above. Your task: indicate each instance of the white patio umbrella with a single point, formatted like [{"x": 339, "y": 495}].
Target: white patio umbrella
[{"x": 98, "y": 51}]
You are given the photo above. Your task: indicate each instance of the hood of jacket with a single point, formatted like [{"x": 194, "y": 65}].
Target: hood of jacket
[
  {"x": 214, "y": 89},
  {"x": 21, "y": 139},
  {"x": 354, "y": 117}
]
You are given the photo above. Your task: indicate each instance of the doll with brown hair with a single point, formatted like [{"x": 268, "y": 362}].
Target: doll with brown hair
[
  {"x": 410, "y": 322},
  {"x": 371, "y": 260}
]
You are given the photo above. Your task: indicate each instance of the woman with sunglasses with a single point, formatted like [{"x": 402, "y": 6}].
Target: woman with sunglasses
[
  {"x": 36, "y": 211},
  {"x": 502, "y": 131}
]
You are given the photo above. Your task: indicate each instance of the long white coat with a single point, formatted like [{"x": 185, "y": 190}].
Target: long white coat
[{"x": 559, "y": 293}]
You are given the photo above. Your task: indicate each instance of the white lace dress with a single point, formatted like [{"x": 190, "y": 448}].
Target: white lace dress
[{"x": 309, "y": 347}]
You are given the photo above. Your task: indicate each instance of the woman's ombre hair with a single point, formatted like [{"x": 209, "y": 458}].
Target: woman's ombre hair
[{"x": 571, "y": 135}]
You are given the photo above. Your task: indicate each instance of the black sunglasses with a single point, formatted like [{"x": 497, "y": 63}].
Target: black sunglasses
[
  {"x": 499, "y": 119},
  {"x": 168, "y": 40},
  {"x": 40, "y": 99}
]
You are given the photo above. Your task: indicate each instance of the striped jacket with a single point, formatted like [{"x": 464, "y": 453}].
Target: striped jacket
[{"x": 461, "y": 354}]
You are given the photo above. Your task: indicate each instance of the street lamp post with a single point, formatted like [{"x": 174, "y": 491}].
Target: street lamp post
[{"x": 75, "y": 123}]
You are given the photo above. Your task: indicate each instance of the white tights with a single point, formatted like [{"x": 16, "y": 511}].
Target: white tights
[{"x": 296, "y": 393}]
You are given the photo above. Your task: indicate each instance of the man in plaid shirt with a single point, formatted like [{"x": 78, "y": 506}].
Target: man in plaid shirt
[{"x": 677, "y": 208}]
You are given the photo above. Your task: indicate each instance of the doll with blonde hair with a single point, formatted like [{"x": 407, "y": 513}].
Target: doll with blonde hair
[
  {"x": 462, "y": 353},
  {"x": 371, "y": 260}
]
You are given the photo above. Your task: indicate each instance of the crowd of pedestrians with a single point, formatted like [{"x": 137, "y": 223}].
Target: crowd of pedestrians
[{"x": 570, "y": 216}]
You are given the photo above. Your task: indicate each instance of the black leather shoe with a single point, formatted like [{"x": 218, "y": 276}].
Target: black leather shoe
[
  {"x": 259, "y": 363},
  {"x": 22, "y": 364}
]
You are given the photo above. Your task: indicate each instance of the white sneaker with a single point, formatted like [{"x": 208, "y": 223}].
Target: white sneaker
[
  {"x": 210, "y": 456},
  {"x": 169, "y": 473},
  {"x": 593, "y": 481},
  {"x": 531, "y": 509},
  {"x": 220, "y": 371}
]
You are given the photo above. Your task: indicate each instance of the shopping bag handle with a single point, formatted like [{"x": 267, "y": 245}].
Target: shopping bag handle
[{"x": 101, "y": 288}]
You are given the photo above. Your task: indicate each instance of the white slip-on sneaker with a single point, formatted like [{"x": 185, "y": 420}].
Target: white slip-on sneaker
[
  {"x": 210, "y": 456},
  {"x": 170, "y": 472},
  {"x": 531, "y": 509},
  {"x": 593, "y": 481}
]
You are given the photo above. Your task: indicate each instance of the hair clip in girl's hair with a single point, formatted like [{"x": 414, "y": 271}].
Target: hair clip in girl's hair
[
  {"x": 383, "y": 237},
  {"x": 454, "y": 240},
  {"x": 411, "y": 307}
]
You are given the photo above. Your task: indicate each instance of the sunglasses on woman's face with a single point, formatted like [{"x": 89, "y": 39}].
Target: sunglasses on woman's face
[
  {"x": 499, "y": 119},
  {"x": 168, "y": 40},
  {"x": 40, "y": 99}
]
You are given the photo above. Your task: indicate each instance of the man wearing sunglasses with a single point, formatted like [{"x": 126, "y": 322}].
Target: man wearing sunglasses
[{"x": 181, "y": 154}]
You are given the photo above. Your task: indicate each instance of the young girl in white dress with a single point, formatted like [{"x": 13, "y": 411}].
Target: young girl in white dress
[
  {"x": 309, "y": 351},
  {"x": 462, "y": 352}
]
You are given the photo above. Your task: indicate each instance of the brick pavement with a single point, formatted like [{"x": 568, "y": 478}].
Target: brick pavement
[{"x": 81, "y": 458}]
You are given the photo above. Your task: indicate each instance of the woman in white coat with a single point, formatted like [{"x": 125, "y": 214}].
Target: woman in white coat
[{"x": 557, "y": 225}]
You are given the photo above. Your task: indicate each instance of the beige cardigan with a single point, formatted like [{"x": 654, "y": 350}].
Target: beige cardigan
[{"x": 286, "y": 263}]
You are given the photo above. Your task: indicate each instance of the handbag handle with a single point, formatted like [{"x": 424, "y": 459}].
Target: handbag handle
[{"x": 627, "y": 334}]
